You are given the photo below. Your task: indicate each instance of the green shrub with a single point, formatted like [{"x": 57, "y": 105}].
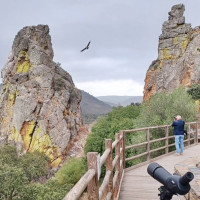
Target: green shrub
[
  {"x": 120, "y": 118},
  {"x": 194, "y": 91},
  {"x": 18, "y": 176},
  {"x": 8, "y": 155},
  {"x": 13, "y": 181},
  {"x": 71, "y": 171},
  {"x": 59, "y": 84},
  {"x": 162, "y": 107},
  {"x": 49, "y": 191},
  {"x": 34, "y": 164},
  {"x": 17, "y": 172}
]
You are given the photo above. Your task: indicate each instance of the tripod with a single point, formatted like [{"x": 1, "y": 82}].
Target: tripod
[{"x": 165, "y": 194}]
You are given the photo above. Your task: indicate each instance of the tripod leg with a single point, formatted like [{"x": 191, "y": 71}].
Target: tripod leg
[
  {"x": 164, "y": 193},
  {"x": 178, "y": 197}
]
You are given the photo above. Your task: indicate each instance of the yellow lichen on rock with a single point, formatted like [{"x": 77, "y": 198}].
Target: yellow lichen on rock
[
  {"x": 56, "y": 162},
  {"x": 26, "y": 132},
  {"x": 184, "y": 44},
  {"x": 24, "y": 64},
  {"x": 175, "y": 40},
  {"x": 167, "y": 54},
  {"x": 15, "y": 135},
  {"x": 12, "y": 97},
  {"x": 42, "y": 142}
]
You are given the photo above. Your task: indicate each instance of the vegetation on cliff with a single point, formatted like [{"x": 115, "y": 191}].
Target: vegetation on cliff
[
  {"x": 194, "y": 91},
  {"x": 21, "y": 177}
]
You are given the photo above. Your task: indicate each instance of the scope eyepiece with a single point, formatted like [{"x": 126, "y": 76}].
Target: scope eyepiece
[{"x": 185, "y": 179}]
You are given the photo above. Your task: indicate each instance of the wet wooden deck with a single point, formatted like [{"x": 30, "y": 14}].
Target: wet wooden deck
[{"x": 137, "y": 184}]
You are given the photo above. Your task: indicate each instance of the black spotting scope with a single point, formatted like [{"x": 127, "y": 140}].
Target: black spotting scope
[{"x": 173, "y": 184}]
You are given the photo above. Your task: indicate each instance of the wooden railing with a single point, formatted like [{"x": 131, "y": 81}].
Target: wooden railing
[
  {"x": 114, "y": 171},
  {"x": 191, "y": 139},
  {"x": 110, "y": 186}
]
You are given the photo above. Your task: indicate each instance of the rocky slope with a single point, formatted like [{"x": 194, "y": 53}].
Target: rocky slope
[
  {"x": 39, "y": 104},
  {"x": 178, "y": 61}
]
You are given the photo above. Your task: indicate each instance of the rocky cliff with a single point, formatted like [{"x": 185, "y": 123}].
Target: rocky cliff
[
  {"x": 178, "y": 61},
  {"x": 39, "y": 104}
]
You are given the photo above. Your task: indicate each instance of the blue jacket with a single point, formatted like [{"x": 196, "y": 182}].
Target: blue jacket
[{"x": 178, "y": 127}]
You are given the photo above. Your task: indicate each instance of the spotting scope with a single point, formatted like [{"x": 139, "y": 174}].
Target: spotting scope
[{"x": 173, "y": 184}]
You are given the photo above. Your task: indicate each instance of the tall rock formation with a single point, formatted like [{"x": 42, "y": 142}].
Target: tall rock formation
[
  {"x": 178, "y": 61},
  {"x": 39, "y": 104}
]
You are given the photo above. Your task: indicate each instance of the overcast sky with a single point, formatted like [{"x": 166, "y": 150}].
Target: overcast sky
[{"x": 123, "y": 33}]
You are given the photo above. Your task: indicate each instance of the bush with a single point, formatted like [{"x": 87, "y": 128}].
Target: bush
[
  {"x": 71, "y": 171},
  {"x": 35, "y": 165},
  {"x": 8, "y": 155},
  {"x": 120, "y": 118},
  {"x": 49, "y": 191},
  {"x": 16, "y": 173},
  {"x": 13, "y": 181},
  {"x": 59, "y": 84},
  {"x": 18, "y": 176},
  {"x": 194, "y": 91},
  {"x": 162, "y": 107}
]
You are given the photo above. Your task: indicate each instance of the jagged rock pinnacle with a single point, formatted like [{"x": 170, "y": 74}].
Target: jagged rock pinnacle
[
  {"x": 178, "y": 59},
  {"x": 39, "y": 104}
]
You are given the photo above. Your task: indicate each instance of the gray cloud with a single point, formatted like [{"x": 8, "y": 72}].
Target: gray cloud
[{"x": 124, "y": 34}]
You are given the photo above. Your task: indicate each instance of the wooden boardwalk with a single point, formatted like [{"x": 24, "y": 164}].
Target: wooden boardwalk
[{"x": 137, "y": 184}]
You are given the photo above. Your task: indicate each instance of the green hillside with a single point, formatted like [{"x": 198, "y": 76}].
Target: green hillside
[{"x": 93, "y": 107}]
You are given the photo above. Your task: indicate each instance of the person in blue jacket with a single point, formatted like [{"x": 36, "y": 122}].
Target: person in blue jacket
[{"x": 178, "y": 125}]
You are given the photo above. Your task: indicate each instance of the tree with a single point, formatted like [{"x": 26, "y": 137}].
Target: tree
[
  {"x": 194, "y": 91},
  {"x": 120, "y": 118},
  {"x": 17, "y": 172},
  {"x": 162, "y": 107},
  {"x": 35, "y": 165},
  {"x": 13, "y": 181}
]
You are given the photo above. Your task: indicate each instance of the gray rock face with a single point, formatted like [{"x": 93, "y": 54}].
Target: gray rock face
[
  {"x": 178, "y": 61},
  {"x": 39, "y": 104}
]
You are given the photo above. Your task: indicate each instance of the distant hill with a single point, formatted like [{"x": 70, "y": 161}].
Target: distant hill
[
  {"x": 120, "y": 100},
  {"x": 93, "y": 107}
]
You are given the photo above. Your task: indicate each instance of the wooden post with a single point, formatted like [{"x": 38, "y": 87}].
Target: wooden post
[
  {"x": 196, "y": 135},
  {"x": 148, "y": 144},
  {"x": 93, "y": 186},
  {"x": 123, "y": 148},
  {"x": 117, "y": 166},
  {"x": 188, "y": 135},
  {"x": 109, "y": 165},
  {"x": 167, "y": 139},
  {"x": 121, "y": 154}
]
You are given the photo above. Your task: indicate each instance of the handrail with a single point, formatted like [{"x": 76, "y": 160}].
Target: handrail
[
  {"x": 104, "y": 156},
  {"x": 80, "y": 186},
  {"x": 147, "y": 151},
  {"x": 110, "y": 186}
]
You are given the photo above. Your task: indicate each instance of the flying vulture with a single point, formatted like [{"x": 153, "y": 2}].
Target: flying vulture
[{"x": 87, "y": 47}]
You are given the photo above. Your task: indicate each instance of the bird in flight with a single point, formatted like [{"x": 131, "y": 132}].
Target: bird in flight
[{"x": 87, "y": 47}]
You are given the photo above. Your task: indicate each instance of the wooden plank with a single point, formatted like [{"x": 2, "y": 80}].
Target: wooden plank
[{"x": 137, "y": 184}]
